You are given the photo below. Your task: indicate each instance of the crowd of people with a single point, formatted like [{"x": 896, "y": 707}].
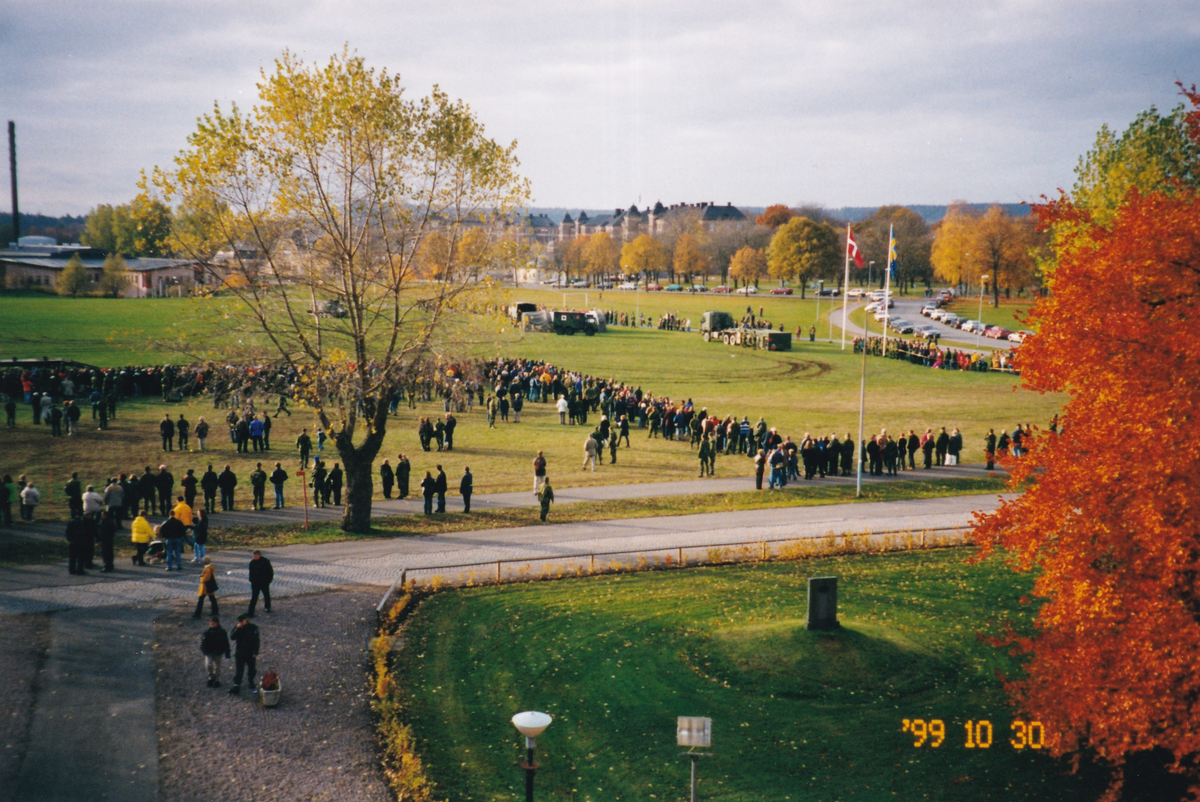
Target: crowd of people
[{"x": 930, "y": 355}]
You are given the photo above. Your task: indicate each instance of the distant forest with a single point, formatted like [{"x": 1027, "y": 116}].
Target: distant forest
[{"x": 64, "y": 229}]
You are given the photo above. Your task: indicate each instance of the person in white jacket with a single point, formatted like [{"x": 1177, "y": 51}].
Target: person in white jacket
[{"x": 30, "y": 498}]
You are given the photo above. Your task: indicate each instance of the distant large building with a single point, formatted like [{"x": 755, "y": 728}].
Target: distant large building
[
  {"x": 624, "y": 225},
  {"x": 37, "y": 262}
]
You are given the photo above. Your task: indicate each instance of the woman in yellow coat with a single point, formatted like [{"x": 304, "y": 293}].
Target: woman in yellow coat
[
  {"x": 143, "y": 533},
  {"x": 208, "y": 587}
]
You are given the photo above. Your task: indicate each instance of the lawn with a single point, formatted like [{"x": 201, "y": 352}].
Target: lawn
[
  {"x": 797, "y": 714},
  {"x": 1009, "y": 314},
  {"x": 813, "y": 388}
]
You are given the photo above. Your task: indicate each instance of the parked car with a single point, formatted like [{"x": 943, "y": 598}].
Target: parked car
[
  {"x": 653, "y": 287},
  {"x": 997, "y": 333},
  {"x": 1020, "y": 336},
  {"x": 746, "y": 291},
  {"x": 856, "y": 292},
  {"x": 929, "y": 332},
  {"x": 901, "y": 326},
  {"x": 928, "y": 309},
  {"x": 674, "y": 288},
  {"x": 827, "y": 292},
  {"x": 627, "y": 285},
  {"x": 781, "y": 290},
  {"x": 699, "y": 288},
  {"x": 721, "y": 288}
]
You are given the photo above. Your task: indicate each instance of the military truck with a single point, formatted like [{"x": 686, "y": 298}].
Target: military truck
[
  {"x": 516, "y": 310},
  {"x": 569, "y": 322},
  {"x": 713, "y": 323},
  {"x": 721, "y": 326},
  {"x": 331, "y": 308}
]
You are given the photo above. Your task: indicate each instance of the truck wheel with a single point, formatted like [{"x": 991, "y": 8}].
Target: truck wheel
[
  {"x": 589, "y": 332},
  {"x": 707, "y": 336}
]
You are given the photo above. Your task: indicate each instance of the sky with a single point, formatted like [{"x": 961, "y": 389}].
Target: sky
[{"x": 615, "y": 103}]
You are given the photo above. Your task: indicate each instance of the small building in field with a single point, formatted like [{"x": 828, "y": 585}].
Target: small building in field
[{"x": 37, "y": 262}]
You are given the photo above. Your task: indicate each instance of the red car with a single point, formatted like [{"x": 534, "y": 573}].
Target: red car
[
  {"x": 722, "y": 288},
  {"x": 653, "y": 287},
  {"x": 781, "y": 290},
  {"x": 997, "y": 333}
]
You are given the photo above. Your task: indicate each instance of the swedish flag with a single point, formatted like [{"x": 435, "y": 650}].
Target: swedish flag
[{"x": 893, "y": 260}]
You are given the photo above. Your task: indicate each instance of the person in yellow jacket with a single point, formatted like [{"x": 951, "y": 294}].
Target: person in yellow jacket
[
  {"x": 208, "y": 587},
  {"x": 183, "y": 512},
  {"x": 143, "y": 533}
]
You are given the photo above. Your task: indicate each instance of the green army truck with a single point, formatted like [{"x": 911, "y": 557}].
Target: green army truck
[
  {"x": 721, "y": 326},
  {"x": 568, "y": 322}
]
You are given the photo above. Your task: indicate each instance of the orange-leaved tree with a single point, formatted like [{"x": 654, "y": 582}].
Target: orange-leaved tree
[{"x": 1110, "y": 520}]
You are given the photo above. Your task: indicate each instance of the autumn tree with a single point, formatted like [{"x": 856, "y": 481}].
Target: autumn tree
[
  {"x": 141, "y": 227},
  {"x": 802, "y": 251},
  {"x": 1002, "y": 248},
  {"x": 951, "y": 251},
  {"x": 644, "y": 256},
  {"x": 774, "y": 216},
  {"x": 689, "y": 258},
  {"x": 914, "y": 241},
  {"x": 1108, "y": 520},
  {"x": 331, "y": 185},
  {"x": 114, "y": 279},
  {"x": 728, "y": 238},
  {"x": 749, "y": 265},
  {"x": 73, "y": 280},
  {"x": 568, "y": 256},
  {"x": 600, "y": 255}
]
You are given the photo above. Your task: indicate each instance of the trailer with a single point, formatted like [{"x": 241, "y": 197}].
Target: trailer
[{"x": 722, "y": 326}]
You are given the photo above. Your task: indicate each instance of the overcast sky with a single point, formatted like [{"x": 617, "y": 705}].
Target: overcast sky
[{"x": 612, "y": 103}]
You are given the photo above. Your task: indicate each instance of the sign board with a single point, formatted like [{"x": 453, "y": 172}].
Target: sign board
[{"x": 693, "y": 731}]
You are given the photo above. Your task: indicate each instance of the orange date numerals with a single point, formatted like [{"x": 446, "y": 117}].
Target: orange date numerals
[
  {"x": 1029, "y": 734},
  {"x": 933, "y": 731}
]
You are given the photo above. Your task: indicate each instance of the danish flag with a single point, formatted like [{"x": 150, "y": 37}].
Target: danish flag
[{"x": 852, "y": 250}]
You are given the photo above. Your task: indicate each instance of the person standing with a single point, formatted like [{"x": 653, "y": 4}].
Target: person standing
[
  {"x": 590, "y": 449},
  {"x": 278, "y": 477},
  {"x": 245, "y": 655},
  {"x": 166, "y": 430},
  {"x": 387, "y": 478},
  {"x": 73, "y": 490},
  {"x": 261, "y": 574},
  {"x": 108, "y": 534},
  {"x": 182, "y": 428},
  {"x": 941, "y": 447},
  {"x": 200, "y": 535},
  {"x": 30, "y": 498},
  {"x": 562, "y": 406},
  {"x": 320, "y": 489},
  {"x": 208, "y": 589},
  {"x": 451, "y": 423},
  {"x": 403, "y": 472},
  {"x": 76, "y": 533},
  {"x": 172, "y": 531},
  {"x": 428, "y": 488},
  {"x": 214, "y": 644},
  {"x": 545, "y": 497},
  {"x": 989, "y": 447},
  {"x": 304, "y": 444},
  {"x": 209, "y": 484},
  {"x": 256, "y": 434},
  {"x": 142, "y": 534},
  {"x": 928, "y": 444},
  {"x": 913, "y": 446},
  {"x": 93, "y": 502},
  {"x": 202, "y": 439},
  {"x": 258, "y": 488},
  {"x": 165, "y": 483},
  {"x": 227, "y": 481},
  {"x": 760, "y": 467},
  {"x": 954, "y": 448},
  {"x": 440, "y": 487},
  {"x": 539, "y": 471},
  {"x": 266, "y": 427},
  {"x": 335, "y": 484},
  {"x": 465, "y": 487},
  {"x": 7, "y": 491}
]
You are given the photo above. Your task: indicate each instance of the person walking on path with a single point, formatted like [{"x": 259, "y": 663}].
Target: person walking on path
[
  {"x": 108, "y": 534},
  {"x": 261, "y": 574},
  {"x": 208, "y": 589},
  {"x": 258, "y": 487},
  {"x": 403, "y": 473},
  {"x": 428, "y": 487},
  {"x": 227, "y": 481},
  {"x": 200, "y": 536},
  {"x": 545, "y": 498},
  {"x": 209, "y": 484},
  {"x": 214, "y": 644},
  {"x": 278, "y": 477},
  {"x": 539, "y": 471},
  {"x": 387, "y": 478},
  {"x": 245, "y": 655},
  {"x": 465, "y": 487},
  {"x": 172, "y": 531},
  {"x": 304, "y": 444},
  {"x": 440, "y": 486},
  {"x": 142, "y": 534}
]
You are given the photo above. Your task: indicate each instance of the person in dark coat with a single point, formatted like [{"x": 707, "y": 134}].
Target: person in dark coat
[
  {"x": 941, "y": 446},
  {"x": 214, "y": 644},
  {"x": 989, "y": 447},
  {"x": 261, "y": 574},
  {"x": 466, "y": 487},
  {"x": 451, "y": 422},
  {"x": 76, "y": 534},
  {"x": 320, "y": 489},
  {"x": 428, "y": 488},
  {"x": 227, "y": 481},
  {"x": 335, "y": 484},
  {"x": 387, "y": 478},
  {"x": 189, "y": 483},
  {"x": 278, "y": 477},
  {"x": 165, "y": 482},
  {"x": 166, "y": 429},
  {"x": 73, "y": 490},
  {"x": 914, "y": 445},
  {"x": 258, "y": 488},
  {"x": 847, "y": 454},
  {"x": 403, "y": 472},
  {"x": 209, "y": 484},
  {"x": 108, "y": 533},
  {"x": 440, "y": 485},
  {"x": 927, "y": 448},
  {"x": 245, "y": 655}
]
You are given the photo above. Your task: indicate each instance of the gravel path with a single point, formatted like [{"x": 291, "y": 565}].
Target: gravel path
[
  {"x": 317, "y": 744},
  {"x": 23, "y": 643}
]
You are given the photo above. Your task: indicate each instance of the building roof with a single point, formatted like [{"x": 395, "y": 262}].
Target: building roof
[{"x": 56, "y": 258}]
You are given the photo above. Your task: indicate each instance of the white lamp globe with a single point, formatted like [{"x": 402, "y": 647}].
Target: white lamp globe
[{"x": 531, "y": 723}]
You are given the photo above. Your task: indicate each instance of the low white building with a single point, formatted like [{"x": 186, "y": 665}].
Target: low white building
[{"x": 37, "y": 262}]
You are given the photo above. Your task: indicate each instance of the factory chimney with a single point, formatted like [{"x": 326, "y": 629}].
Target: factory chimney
[{"x": 12, "y": 171}]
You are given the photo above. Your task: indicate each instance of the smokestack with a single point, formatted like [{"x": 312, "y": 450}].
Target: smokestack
[{"x": 12, "y": 171}]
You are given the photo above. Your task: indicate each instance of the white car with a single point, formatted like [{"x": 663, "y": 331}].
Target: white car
[
  {"x": 938, "y": 314},
  {"x": 950, "y": 318},
  {"x": 857, "y": 292},
  {"x": 972, "y": 326},
  {"x": 746, "y": 291},
  {"x": 628, "y": 285}
]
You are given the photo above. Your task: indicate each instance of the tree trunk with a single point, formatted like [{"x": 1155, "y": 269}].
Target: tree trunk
[{"x": 356, "y": 515}]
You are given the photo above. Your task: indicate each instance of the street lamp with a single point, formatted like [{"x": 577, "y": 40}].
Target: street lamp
[
  {"x": 870, "y": 273},
  {"x": 692, "y": 732},
  {"x": 979, "y": 329},
  {"x": 530, "y": 724}
]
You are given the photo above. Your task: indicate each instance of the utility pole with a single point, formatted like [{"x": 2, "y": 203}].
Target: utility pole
[{"x": 12, "y": 171}]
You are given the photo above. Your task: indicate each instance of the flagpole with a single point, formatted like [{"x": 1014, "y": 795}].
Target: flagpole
[
  {"x": 887, "y": 288},
  {"x": 845, "y": 289},
  {"x": 862, "y": 397}
]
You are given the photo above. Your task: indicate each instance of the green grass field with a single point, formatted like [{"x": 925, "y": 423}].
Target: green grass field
[
  {"x": 813, "y": 388},
  {"x": 797, "y": 715},
  {"x": 1008, "y": 314}
]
